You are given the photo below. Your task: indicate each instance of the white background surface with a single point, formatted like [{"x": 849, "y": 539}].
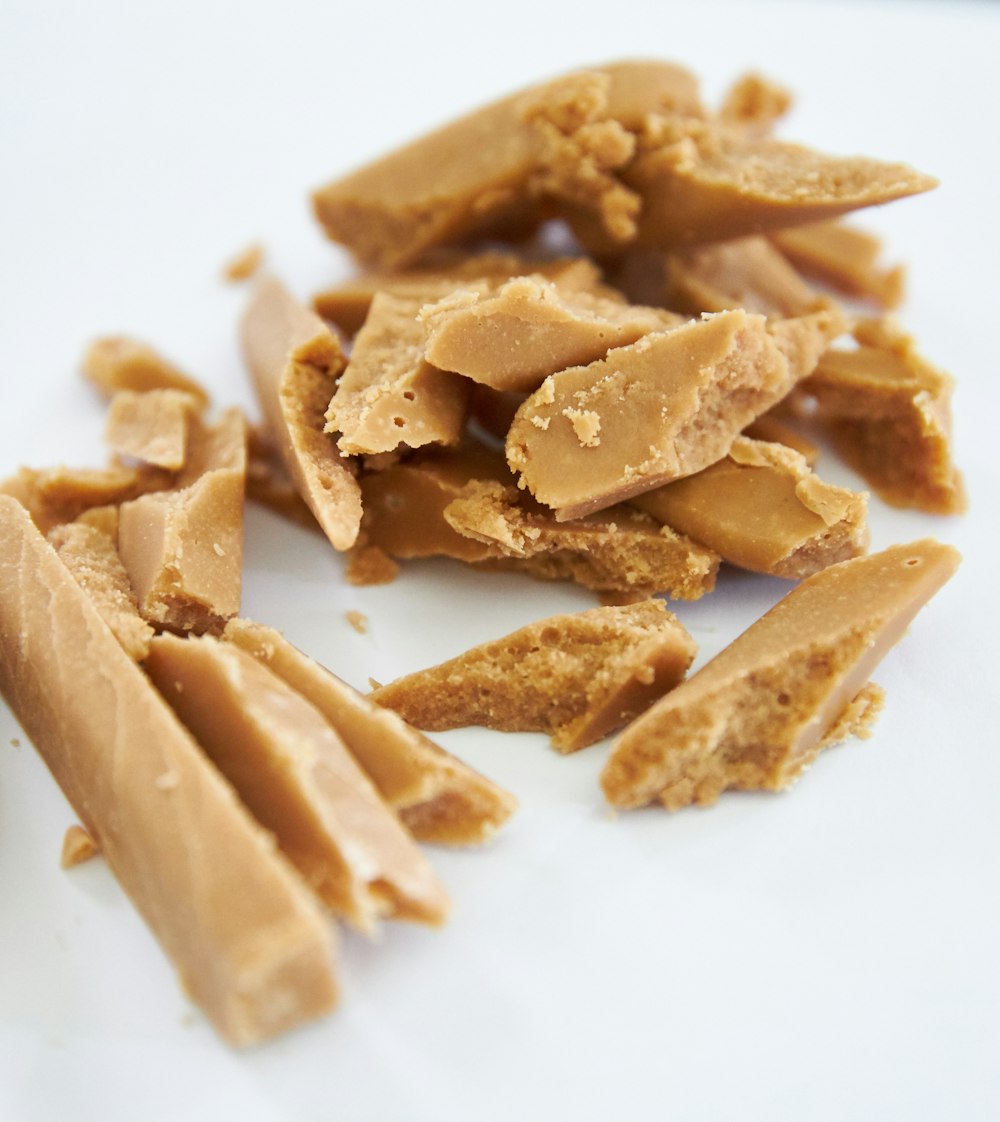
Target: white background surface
[{"x": 828, "y": 954}]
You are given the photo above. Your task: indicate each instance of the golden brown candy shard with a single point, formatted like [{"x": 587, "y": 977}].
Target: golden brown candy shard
[
  {"x": 888, "y": 413},
  {"x": 389, "y": 396},
  {"x": 760, "y": 712},
  {"x": 659, "y": 409},
  {"x": 576, "y": 677},
  {"x": 294, "y": 773},
  {"x": 116, "y": 363},
  {"x": 295, "y": 359},
  {"x": 761, "y": 508},
  {"x": 78, "y": 846},
  {"x": 183, "y": 548},
  {"x": 151, "y": 426},
  {"x": 245, "y": 935},
  {"x": 439, "y": 798}
]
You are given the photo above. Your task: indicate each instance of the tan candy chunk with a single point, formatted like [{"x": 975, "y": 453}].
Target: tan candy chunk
[
  {"x": 511, "y": 339},
  {"x": 576, "y": 677},
  {"x": 294, "y": 360},
  {"x": 299, "y": 781},
  {"x": 56, "y": 495},
  {"x": 562, "y": 138},
  {"x": 845, "y": 258},
  {"x": 245, "y": 935},
  {"x": 389, "y": 395},
  {"x": 78, "y": 846},
  {"x": 118, "y": 363},
  {"x": 754, "y": 104},
  {"x": 759, "y": 712},
  {"x": 888, "y": 412},
  {"x": 616, "y": 551},
  {"x": 657, "y": 410},
  {"x": 760, "y": 507},
  {"x": 245, "y": 264},
  {"x": 151, "y": 426},
  {"x": 439, "y": 798},
  {"x": 700, "y": 181},
  {"x": 347, "y": 304},
  {"x": 183, "y": 549},
  {"x": 92, "y": 557}
]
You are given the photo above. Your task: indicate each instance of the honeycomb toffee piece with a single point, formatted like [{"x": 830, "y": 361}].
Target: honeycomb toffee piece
[
  {"x": 294, "y": 360},
  {"x": 887, "y": 410},
  {"x": 659, "y": 409},
  {"x": 617, "y": 551},
  {"x": 576, "y": 677},
  {"x": 247, "y": 938},
  {"x": 792, "y": 683},
  {"x": 761, "y": 508},
  {"x": 293, "y": 772},
  {"x": 151, "y": 426},
  {"x": 700, "y": 181},
  {"x": 56, "y": 495},
  {"x": 117, "y": 363},
  {"x": 389, "y": 395},
  {"x": 91, "y": 556},
  {"x": 845, "y": 258},
  {"x": 183, "y": 548},
  {"x": 512, "y": 338},
  {"x": 563, "y": 139},
  {"x": 439, "y": 798}
]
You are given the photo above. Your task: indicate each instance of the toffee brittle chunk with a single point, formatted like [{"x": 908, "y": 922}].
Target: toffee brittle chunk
[
  {"x": 576, "y": 677},
  {"x": 792, "y": 683}
]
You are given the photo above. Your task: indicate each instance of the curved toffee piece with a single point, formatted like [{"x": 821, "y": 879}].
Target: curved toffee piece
[
  {"x": 183, "y": 548},
  {"x": 299, "y": 780},
  {"x": 247, "y": 938},
  {"x": 577, "y": 676},
  {"x": 295, "y": 359},
  {"x": 514, "y": 337},
  {"x": 438, "y": 798},
  {"x": 659, "y": 409},
  {"x": 562, "y": 139},
  {"x": 791, "y": 684},
  {"x": 761, "y": 508}
]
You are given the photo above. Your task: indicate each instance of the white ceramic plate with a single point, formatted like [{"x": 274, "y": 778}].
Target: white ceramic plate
[{"x": 824, "y": 954}]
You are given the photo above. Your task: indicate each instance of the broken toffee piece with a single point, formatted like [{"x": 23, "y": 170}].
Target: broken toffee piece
[
  {"x": 151, "y": 426},
  {"x": 662, "y": 408},
  {"x": 294, "y": 360},
  {"x": 576, "y": 677},
  {"x": 117, "y": 363},
  {"x": 247, "y": 938},
  {"x": 762, "y": 709},
  {"x": 439, "y": 798},
  {"x": 888, "y": 412},
  {"x": 295, "y": 775},
  {"x": 761, "y": 508}
]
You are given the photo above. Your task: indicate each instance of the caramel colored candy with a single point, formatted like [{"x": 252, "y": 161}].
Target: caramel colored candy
[
  {"x": 117, "y": 363},
  {"x": 294, "y": 360},
  {"x": 439, "y": 798},
  {"x": 576, "y": 677},
  {"x": 563, "y": 139},
  {"x": 699, "y": 181},
  {"x": 183, "y": 549},
  {"x": 348, "y": 303},
  {"x": 56, "y": 495},
  {"x": 657, "y": 410},
  {"x": 245, "y": 935},
  {"x": 776, "y": 431},
  {"x": 616, "y": 551},
  {"x": 754, "y": 104},
  {"x": 512, "y": 338},
  {"x": 91, "y": 556},
  {"x": 888, "y": 412},
  {"x": 299, "y": 781},
  {"x": 844, "y": 258},
  {"x": 151, "y": 426},
  {"x": 388, "y": 395},
  {"x": 760, "y": 507},
  {"x": 760, "y": 712}
]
